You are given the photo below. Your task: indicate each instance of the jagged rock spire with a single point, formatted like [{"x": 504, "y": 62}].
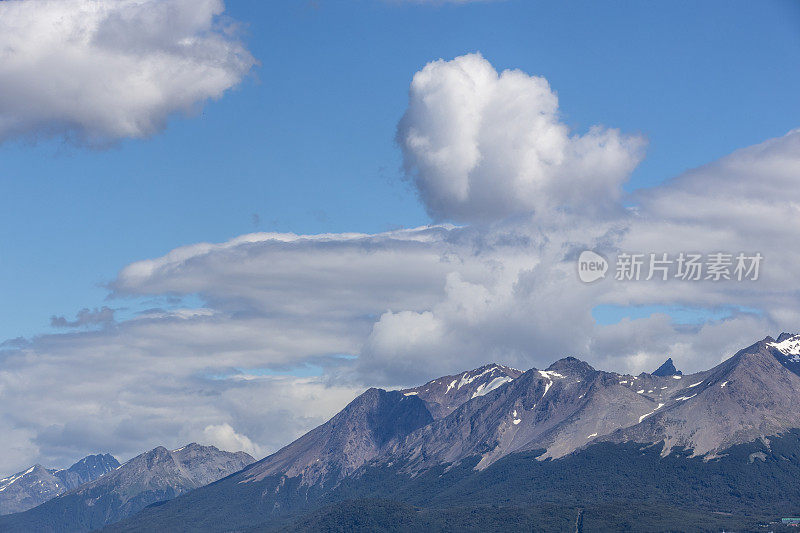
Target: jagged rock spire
[{"x": 667, "y": 369}]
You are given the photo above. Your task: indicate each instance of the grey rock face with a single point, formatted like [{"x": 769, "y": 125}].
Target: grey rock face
[
  {"x": 87, "y": 469},
  {"x": 752, "y": 395},
  {"x": 443, "y": 395},
  {"x": 559, "y": 409},
  {"x": 366, "y": 428},
  {"x": 667, "y": 369},
  {"x": 37, "y": 484},
  {"x": 375, "y": 423},
  {"x": 28, "y": 489}
]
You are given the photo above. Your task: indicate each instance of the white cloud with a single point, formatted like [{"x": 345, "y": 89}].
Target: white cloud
[
  {"x": 411, "y": 304},
  {"x": 482, "y": 145},
  {"x": 352, "y": 274},
  {"x": 96, "y": 71},
  {"x": 224, "y": 437},
  {"x": 163, "y": 381}
]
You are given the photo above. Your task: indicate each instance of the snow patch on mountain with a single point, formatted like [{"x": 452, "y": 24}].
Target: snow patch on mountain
[
  {"x": 486, "y": 388},
  {"x": 466, "y": 379},
  {"x": 651, "y": 412},
  {"x": 6, "y": 482},
  {"x": 789, "y": 347}
]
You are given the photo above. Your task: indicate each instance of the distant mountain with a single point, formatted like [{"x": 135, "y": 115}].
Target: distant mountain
[
  {"x": 667, "y": 369},
  {"x": 713, "y": 450},
  {"x": 36, "y": 485},
  {"x": 151, "y": 477},
  {"x": 87, "y": 469}
]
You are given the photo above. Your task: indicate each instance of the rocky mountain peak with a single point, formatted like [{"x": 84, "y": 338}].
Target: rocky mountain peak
[
  {"x": 38, "y": 484},
  {"x": 87, "y": 469},
  {"x": 786, "y": 336},
  {"x": 154, "y": 476},
  {"x": 787, "y": 344},
  {"x": 571, "y": 366},
  {"x": 445, "y": 394},
  {"x": 667, "y": 369}
]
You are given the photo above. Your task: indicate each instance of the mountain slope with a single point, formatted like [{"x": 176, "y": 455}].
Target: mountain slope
[
  {"x": 151, "y": 477},
  {"x": 559, "y": 409},
  {"x": 444, "y": 395},
  {"x": 87, "y": 469},
  {"x": 36, "y": 485},
  {"x": 749, "y": 396},
  {"x": 366, "y": 427}
]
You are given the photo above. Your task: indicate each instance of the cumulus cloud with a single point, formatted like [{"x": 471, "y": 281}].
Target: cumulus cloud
[
  {"x": 400, "y": 307},
  {"x": 482, "y": 145},
  {"x": 224, "y": 437},
  {"x": 96, "y": 71},
  {"x": 410, "y": 305}
]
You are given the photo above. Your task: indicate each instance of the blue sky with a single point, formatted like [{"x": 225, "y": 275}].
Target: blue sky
[
  {"x": 325, "y": 118},
  {"x": 306, "y": 142}
]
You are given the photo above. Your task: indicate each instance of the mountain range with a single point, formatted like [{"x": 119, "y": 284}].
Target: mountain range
[
  {"x": 426, "y": 455},
  {"x": 151, "y": 477},
  {"x": 493, "y": 448},
  {"x": 37, "y": 484}
]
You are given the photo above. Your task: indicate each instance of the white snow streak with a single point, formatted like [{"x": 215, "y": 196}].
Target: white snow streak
[
  {"x": 485, "y": 388},
  {"x": 11, "y": 479},
  {"x": 651, "y": 412}
]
